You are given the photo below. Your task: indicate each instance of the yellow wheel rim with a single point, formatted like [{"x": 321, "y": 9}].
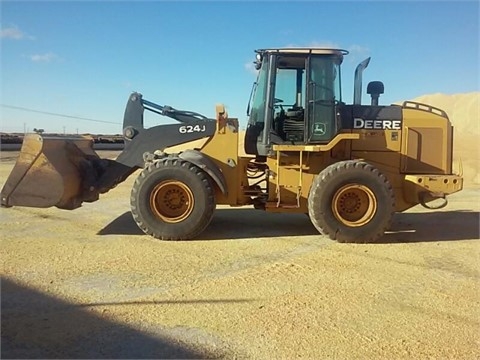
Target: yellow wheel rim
[
  {"x": 171, "y": 201},
  {"x": 354, "y": 205}
]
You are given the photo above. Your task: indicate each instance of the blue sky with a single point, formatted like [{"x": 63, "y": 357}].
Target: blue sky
[{"x": 84, "y": 58}]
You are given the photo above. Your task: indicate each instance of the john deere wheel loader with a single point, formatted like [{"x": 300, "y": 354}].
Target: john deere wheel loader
[{"x": 349, "y": 167}]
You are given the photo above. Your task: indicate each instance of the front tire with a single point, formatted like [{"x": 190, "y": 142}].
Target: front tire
[
  {"x": 351, "y": 202},
  {"x": 172, "y": 200}
]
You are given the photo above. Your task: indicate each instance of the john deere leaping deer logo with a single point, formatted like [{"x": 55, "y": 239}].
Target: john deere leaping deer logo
[{"x": 320, "y": 129}]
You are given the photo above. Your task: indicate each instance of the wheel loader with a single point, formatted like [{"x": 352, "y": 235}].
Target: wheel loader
[{"x": 349, "y": 167}]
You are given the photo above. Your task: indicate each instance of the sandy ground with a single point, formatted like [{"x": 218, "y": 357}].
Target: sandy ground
[{"x": 88, "y": 284}]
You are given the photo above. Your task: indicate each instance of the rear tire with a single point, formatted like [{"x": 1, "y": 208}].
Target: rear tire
[
  {"x": 172, "y": 200},
  {"x": 351, "y": 202}
]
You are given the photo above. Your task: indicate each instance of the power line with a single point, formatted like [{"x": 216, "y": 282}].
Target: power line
[{"x": 55, "y": 114}]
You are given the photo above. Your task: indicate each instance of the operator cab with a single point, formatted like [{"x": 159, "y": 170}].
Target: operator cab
[{"x": 294, "y": 100}]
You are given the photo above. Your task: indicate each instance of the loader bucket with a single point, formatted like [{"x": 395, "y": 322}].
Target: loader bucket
[{"x": 50, "y": 171}]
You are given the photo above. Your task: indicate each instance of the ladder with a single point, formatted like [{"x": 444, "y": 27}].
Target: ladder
[{"x": 298, "y": 187}]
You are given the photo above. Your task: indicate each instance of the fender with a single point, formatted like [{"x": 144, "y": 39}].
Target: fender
[{"x": 206, "y": 163}]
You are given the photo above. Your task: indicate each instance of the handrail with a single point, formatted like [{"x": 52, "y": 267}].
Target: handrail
[{"x": 424, "y": 107}]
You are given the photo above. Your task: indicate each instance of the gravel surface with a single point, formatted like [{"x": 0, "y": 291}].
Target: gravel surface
[{"x": 89, "y": 284}]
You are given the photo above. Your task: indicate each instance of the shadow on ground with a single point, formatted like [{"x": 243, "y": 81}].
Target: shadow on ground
[
  {"x": 227, "y": 223},
  {"x": 36, "y": 325},
  {"x": 249, "y": 223},
  {"x": 433, "y": 226}
]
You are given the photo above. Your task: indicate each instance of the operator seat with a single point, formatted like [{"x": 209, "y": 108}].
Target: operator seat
[{"x": 294, "y": 124}]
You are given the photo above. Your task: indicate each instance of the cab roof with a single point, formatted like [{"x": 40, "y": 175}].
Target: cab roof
[{"x": 302, "y": 50}]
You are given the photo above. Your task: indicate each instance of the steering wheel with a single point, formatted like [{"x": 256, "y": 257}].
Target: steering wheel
[{"x": 278, "y": 103}]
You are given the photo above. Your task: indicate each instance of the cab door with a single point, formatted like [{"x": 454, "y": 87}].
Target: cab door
[{"x": 322, "y": 97}]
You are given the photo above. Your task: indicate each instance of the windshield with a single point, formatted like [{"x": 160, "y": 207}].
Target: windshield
[{"x": 258, "y": 99}]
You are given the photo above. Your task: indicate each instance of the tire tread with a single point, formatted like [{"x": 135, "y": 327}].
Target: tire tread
[
  {"x": 172, "y": 162},
  {"x": 330, "y": 173}
]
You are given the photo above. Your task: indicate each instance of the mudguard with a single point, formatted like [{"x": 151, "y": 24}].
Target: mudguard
[{"x": 206, "y": 163}]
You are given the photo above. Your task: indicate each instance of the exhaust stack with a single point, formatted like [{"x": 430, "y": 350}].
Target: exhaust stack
[{"x": 357, "y": 89}]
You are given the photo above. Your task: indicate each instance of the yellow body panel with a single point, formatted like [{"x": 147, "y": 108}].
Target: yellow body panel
[
  {"x": 426, "y": 144},
  {"x": 223, "y": 149}
]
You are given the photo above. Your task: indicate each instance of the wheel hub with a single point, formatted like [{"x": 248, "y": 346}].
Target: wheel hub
[
  {"x": 354, "y": 205},
  {"x": 171, "y": 201}
]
